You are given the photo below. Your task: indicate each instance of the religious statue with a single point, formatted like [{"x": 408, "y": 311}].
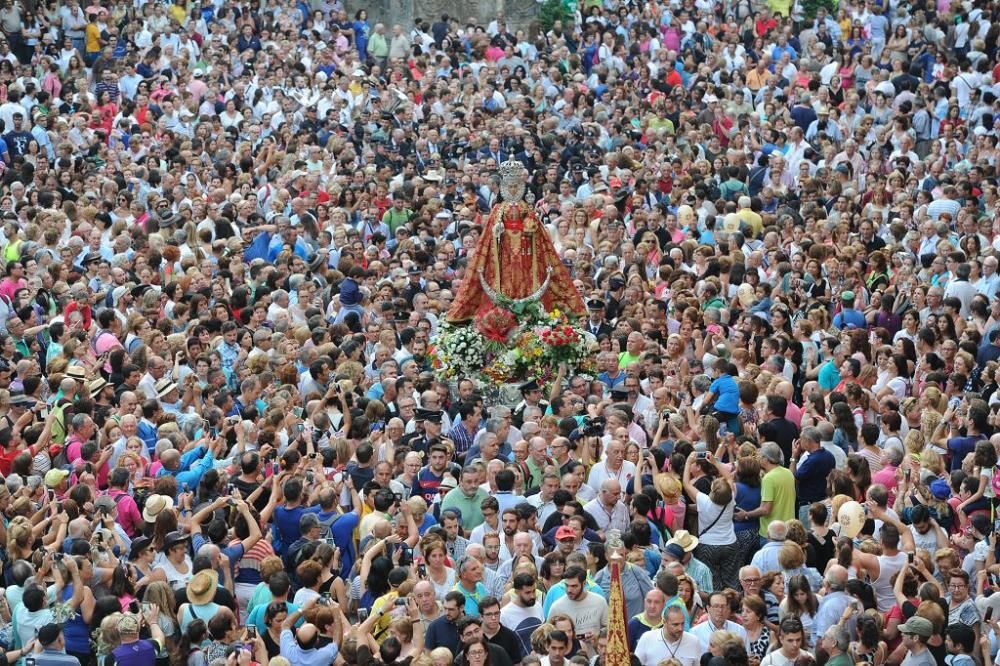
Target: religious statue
[{"x": 515, "y": 262}]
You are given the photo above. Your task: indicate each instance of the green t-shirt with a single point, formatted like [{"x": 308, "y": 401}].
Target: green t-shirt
[
  {"x": 625, "y": 358},
  {"x": 777, "y": 487},
  {"x": 394, "y": 219}
]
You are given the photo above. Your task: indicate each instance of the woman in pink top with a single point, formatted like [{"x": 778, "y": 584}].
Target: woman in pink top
[
  {"x": 51, "y": 83},
  {"x": 14, "y": 280}
]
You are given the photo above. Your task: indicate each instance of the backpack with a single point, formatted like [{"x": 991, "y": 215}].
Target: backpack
[
  {"x": 6, "y": 310},
  {"x": 995, "y": 480},
  {"x": 326, "y": 525},
  {"x": 93, "y": 343},
  {"x": 58, "y": 431}
]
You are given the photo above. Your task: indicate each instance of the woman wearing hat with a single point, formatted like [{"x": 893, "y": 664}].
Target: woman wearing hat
[
  {"x": 174, "y": 560},
  {"x": 201, "y": 590},
  {"x": 140, "y": 557}
]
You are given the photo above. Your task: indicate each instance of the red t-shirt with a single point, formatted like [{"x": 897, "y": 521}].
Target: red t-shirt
[
  {"x": 85, "y": 311},
  {"x": 7, "y": 460}
]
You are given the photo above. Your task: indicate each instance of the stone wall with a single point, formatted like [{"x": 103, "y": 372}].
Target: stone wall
[{"x": 519, "y": 13}]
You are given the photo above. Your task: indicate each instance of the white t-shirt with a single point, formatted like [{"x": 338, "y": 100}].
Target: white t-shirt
[
  {"x": 654, "y": 648},
  {"x": 721, "y": 532},
  {"x": 600, "y": 473},
  {"x": 777, "y": 659},
  {"x": 589, "y": 614},
  {"x": 522, "y": 621}
]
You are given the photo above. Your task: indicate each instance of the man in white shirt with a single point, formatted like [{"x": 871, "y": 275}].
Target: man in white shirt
[
  {"x": 607, "y": 509},
  {"x": 614, "y": 466},
  {"x": 961, "y": 288},
  {"x": 989, "y": 283},
  {"x": 717, "y": 620},
  {"x": 589, "y": 611},
  {"x": 670, "y": 642},
  {"x": 524, "y": 612},
  {"x": 154, "y": 372}
]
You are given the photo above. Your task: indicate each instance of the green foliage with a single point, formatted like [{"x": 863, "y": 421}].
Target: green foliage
[
  {"x": 551, "y": 11},
  {"x": 810, "y": 7}
]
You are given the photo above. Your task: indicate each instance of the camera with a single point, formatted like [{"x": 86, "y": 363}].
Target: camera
[{"x": 593, "y": 427}]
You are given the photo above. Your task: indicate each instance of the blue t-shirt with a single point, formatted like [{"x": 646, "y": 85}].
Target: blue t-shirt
[
  {"x": 747, "y": 499},
  {"x": 728, "y": 400},
  {"x": 286, "y": 522},
  {"x": 849, "y": 319},
  {"x": 811, "y": 473},
  {"x": 257, "y": 615},
  {"x": 829, "y": 376},
  {"x": 959, "y": 447},
  {"x": 878, "y": 24},
  {"x": 342, "y": 532}
]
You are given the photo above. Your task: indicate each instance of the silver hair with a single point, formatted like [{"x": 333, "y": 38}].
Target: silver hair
[
  {"x": 777, "y": 531},
  {"x": 772, "y": 453},
  {"x": 840, "y": 637}
]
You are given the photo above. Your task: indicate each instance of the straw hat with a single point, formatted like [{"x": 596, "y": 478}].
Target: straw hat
[
  {"x": 155, "y": 504},
  {"x": 201, "y": 588}
]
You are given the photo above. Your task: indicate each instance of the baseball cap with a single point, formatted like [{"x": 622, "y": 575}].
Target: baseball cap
[
  {"x": 128, "y": 624},
  {"x": 918, "y": 626},
  {"x": 54, "y": 477},
  {"x": 565, "y": 532}
]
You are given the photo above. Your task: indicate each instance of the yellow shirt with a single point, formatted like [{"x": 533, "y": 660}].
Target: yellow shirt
[
  {"x": 93, "y": 36},
  {"x": 757, "y": 80},
  {"x": 385, "y": 604},
  {"x": 752, "y": 219},
  {"x": 178, "y": 13}
]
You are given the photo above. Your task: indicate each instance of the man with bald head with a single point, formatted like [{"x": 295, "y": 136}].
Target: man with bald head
[
  {"x": 191, "y": 466},
  {"x": 792, "y": 412},
  {"x": 129, "y": 426},
  {"x": 835, "y": 601},
  {"x": 650, "y": 618},
  {"x": 300, "y": 648},
  {"x": 750, "y": 581},
  {"x": 427, "y": 604},
  {"x": 534, "y": 467},
  {"x": 607, "y": 509},
  {"x": 523, "y": 547}
]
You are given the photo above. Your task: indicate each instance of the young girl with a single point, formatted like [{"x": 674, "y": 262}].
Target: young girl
[
  {"x": 985, "y": 462},
  {"x": 800, "y": 602}
]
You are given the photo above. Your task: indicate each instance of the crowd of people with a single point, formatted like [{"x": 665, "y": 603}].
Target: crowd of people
[{"x": 222, "y": 438}]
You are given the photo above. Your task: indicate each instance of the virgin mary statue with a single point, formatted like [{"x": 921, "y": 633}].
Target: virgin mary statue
[{"x": 515, "y": 262}]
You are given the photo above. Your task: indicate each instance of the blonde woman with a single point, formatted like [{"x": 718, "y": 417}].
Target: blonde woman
[
  {"x": 160, "y": 594},
  {"x": 108, "y": 638},
  {"x": 441, "y": 656}
]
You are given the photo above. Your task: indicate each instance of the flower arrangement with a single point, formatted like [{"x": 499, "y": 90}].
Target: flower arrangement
[{"x": 503, "y": 347}]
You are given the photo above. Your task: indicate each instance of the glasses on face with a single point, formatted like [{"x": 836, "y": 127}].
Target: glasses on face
[
  {"x": 477, "y": 652},
  {"x": 750, "y": 581},
  {"x": 956, "y": 586}
]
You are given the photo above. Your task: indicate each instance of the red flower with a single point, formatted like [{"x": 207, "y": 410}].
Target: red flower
[{"x": 496, "y": 323}]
